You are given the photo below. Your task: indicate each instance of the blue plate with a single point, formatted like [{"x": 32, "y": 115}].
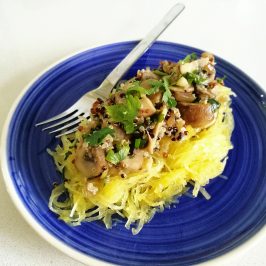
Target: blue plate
[{"x": 191, "y": 232}]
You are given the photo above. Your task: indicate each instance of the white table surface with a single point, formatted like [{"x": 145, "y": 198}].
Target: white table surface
[{"x": 34, "y": 34}]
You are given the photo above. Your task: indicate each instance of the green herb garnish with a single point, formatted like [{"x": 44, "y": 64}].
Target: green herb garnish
[
  {"x": 161, "y": 117},
  {"x": 152, "y": 90},
  {"x": 164, "y": 86},
  {"x": 116, "y": 157},
  {"x": 159, "y": 73},
  {"x": 194, "y": 78},
  {"x": 189, "y": 58},
  {"x": 155, "y": 86},
  {"x": 221, "y": 80},
  {"x": 136, "y": 89},
  {"x": 214, "y": 104},
  {"x": 97, "y": 136},
  {"x": 139, "y": 143},
  {"x": 125, "y": 113},
  {"x": 167, "y": 95}
]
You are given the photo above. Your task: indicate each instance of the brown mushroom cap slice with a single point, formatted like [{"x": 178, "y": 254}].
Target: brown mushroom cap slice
[
  {"x": 152, "y": 141},
  {"x": 182, "y": 96},
  {"x": 135, "y": 162},
  {"x": 90, "y": 161},
  {"x": 146, "y": 74},
  {"x": 155, "y": 97},
  {"x": 119, "y": 134},
  {"x": 147, "y": 83},
  {"x": 147, "y": 108},
  {"x": 197, "y": 115}
]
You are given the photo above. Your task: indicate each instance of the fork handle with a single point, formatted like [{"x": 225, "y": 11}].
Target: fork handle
[{"x": 103, "y": 90}]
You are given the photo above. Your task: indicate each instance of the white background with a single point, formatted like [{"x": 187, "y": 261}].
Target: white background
[{"x": 34, "y": 34}]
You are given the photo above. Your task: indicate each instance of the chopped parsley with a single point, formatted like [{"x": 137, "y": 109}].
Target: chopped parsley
[
  {"x": 152, "y": 90},
  {"x": 97, "y": 136},
  {"x": 159, "y": 73},
  {"x": 221, "y": 80},
  {"x": 167, "y": 95},
  {"x": 120, "y": 155},
  {"x": 164, "y": 86},
  {"x": 155, "y": 86},
  {"x": 189, "y": 58},
  {"x": 214, "y": 104},
  {"x": 140, "y": 143},
  {"x": 125, "y": 113},
  {"x": 194, "y": 78},
  {"x": 136, "y": 89}
]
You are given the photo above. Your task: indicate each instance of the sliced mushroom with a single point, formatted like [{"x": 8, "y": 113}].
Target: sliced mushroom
[
  {"x": 120, "y": 134},
  {"x": 156, "y": 97},
  {"x": 90, "y": 161},
  {"x": 146, "y": 108},
  {"x": 194, "y": 65},
  {"x": 197, "y": 114},
  {"x": 170, "y": 67},
  {"x": 146, "y": 74},
  {"x": 181, "y": 89},
  {"x": 135, "y": 162},
  {"x": 147, "y": 83},
  {"x": 187, "y": 97},
  {"x": 203, "y": 90},
  {"x": 152, "y": 141},
  {"x": 203, "y": 98}
]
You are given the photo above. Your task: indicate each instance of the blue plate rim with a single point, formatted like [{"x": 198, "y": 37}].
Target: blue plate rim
[{"x": 45, "y": 234}]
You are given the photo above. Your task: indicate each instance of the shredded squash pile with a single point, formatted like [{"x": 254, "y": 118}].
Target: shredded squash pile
[{"x": 198, "y": 158}]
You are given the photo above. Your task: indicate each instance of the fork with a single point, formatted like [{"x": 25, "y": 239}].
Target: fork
[{"x": 67, "y": 121}]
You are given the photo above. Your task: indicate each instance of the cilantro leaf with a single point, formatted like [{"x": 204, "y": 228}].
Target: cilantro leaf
[
  {"x": 167, "y": 95},
  {"x": 136, "y": 89},
  {"x": 116, "y": 157},
  {"x": 189, "y": 58},
  {"x": 125, "y": 113},
  {"x": 214, "y": 104},
  {"x": 194, "y": 78},
  {"x": 221, "y": 80},
  {"x": 152, "y": 91},
  {"x": 164, "y": 85},
  {"x": 155, "y": 86},
  {"x": 139, "y": 143},
  {"x": 97, "y": 136},
  {"x": 171, "y": 102},
  {"x": 159, "y": 73}
]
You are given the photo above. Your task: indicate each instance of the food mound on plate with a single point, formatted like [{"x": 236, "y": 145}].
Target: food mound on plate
[{"x": 157, "y": 134}]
